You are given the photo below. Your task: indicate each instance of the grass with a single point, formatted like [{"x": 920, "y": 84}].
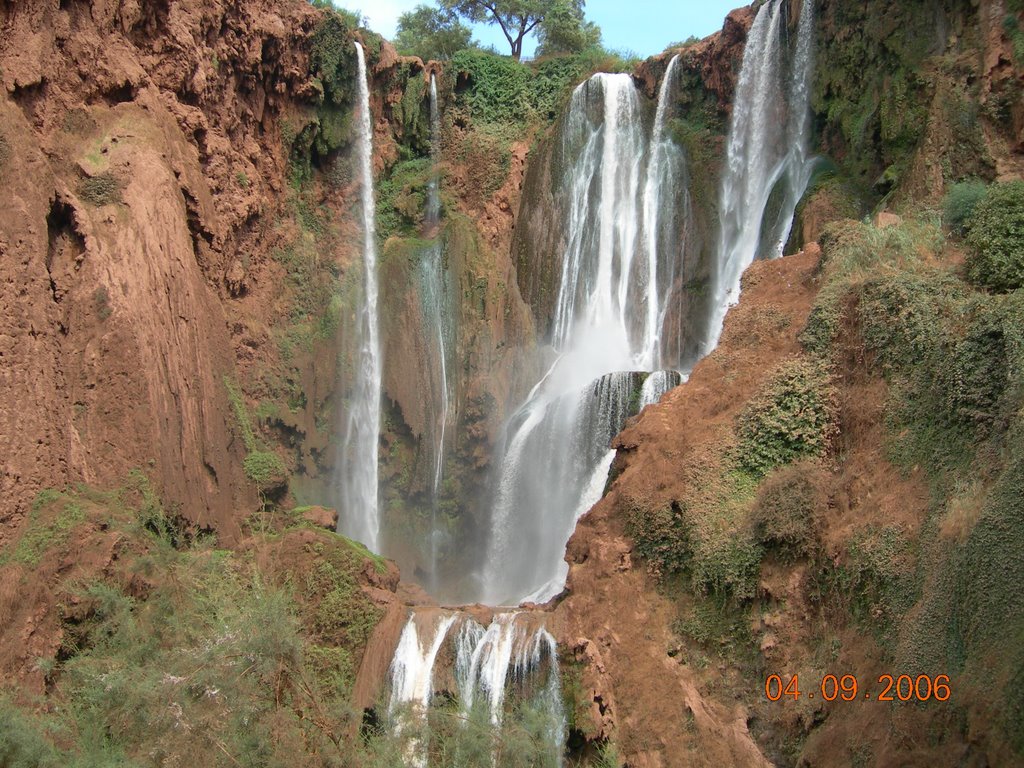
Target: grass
[{"x": 52, "y": 518}]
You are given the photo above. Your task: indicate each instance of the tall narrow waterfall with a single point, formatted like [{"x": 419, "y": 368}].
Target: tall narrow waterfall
[
  {"x": 437, "y": 321},
  {"x": 436, "y": 295},
  {"x": 615, "y": 282},
  {"x": 663, "y": 171},
  {"x": 359, "y": 516},
  {"x": 763, "y": 161}
]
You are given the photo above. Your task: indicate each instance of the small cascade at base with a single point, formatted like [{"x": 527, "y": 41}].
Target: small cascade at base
[{"x": 478, "y": 682}]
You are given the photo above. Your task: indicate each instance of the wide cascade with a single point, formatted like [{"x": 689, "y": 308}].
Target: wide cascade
[
  {"x": 767, "y": 167},
  {"x": 613, "y": 297},
  {"x": 357, "y": 468}
]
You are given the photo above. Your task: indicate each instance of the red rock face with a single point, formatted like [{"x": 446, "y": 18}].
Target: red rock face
[{"x": 128, "y": 128}]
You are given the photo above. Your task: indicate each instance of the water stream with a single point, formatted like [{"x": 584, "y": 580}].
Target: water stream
[
  {"x": 611, "y": 304},
  {"x": 480, "y": 668},
  {"x": 626, "y": 208},
  {"x": 437, "y": 321},
  {"x": 358, "y": 482},
  {"x": 766, "y": 154}
]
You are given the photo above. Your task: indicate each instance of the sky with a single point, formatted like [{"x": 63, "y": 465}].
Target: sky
[{"x": 643, "y": 27}]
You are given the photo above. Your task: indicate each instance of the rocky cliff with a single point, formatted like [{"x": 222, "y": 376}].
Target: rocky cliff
[{"x": 177, "y": 301}]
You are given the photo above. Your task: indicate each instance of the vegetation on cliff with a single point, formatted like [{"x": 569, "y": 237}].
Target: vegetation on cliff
[{"x": 175, "y": 649}]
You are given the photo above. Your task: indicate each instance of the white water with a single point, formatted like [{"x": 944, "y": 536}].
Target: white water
[
  {"x": 437, "y": 311},
  {"x": 510, "y": 654},
  {"x": 624, "y": 189},
  {"x": 412, "y": 682},
  {"x": 359, "y": 513},
  {"x": 760, "y": 155},
  {"x": 610, "y": 308},
  {"x": 657, "y": 384},
  {"x": 413, "y": 664},
  {"x": 662, "y": 171}
]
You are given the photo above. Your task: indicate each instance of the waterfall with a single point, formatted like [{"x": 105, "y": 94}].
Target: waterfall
[
  {"x": 513, "y": 653},
  {"x": 615, "y": 286},
  {"x": 412, "y": 678},
  {"x": 759, "y": 155},
  {"x": 437, "y": 313},
  {"x": 626, "y": 217},
  {"x": 662, "y": 171},
  {"x": 359, "y": 518},
  {"x": 657, "y": 384},
  {"x": 412, "y": 667}
]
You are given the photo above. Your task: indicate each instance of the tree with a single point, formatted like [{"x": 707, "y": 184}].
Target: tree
[
  {"x": 564, "y": 30},
  {"x": 431, "y": 33},
  {"x": 516, "y": 18}
]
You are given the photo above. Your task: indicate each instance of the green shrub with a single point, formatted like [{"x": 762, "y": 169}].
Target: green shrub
[
  {"x": 904, "y": 315},
  {"x": 24, "y": 742},
  {"x": 496, "y": 88},
  {"x": 99, "y": 190},
  {"x": 661, "y": 536},
  {"x": 726, "y": 563},
  {"x": 995, "y": 235},
  {"x": 101, "y": 302},
  {"x": 824, "y": 321},
  {"x": 792, "y": 417},
  {"x": 788, "y": 509},
  {"x": 721, "y": 630},
  {"x": 332, "y": 55},
  {"x": 875, "y": 580},
  {"x": 401, "y": 198},
  {"x": 51, "y": 519},
  {"x": 960, "y": 202},
  {"x": 241, "y": 413},
  {"x": 974, "y": 375},
  {"x": 266, "y": 469}
]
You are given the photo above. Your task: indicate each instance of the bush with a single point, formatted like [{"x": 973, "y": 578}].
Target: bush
[
  {"x": 661, "y": 536},
  {"x": 51, "y": 519},
  {"x": 793, "y": 417},
  {"x": 995, "y": 235},
  {"x": 726, "y": 563},
  {"x": 875, "y": 580},
  {"x": 974, "y": 375},
  {"x": 904, "y": 315},
  {"x": 23, "y": 741},
  {"x": 498, "y": 90},
  {"x": 789, "y": 505},
  {"x": 332, "y": 56},
  {"x": 824, "y": 321},
  {"x": 266, "y": 469},
  {"x": 401, "y": 198},
  {"x": 99, "y": 190},
  {"x": 960, "y": 202}
]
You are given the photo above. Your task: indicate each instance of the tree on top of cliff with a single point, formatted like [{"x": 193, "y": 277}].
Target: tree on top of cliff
[
  {"x": 431, "y": 33},
  {"x": 518, "y": 18}
]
